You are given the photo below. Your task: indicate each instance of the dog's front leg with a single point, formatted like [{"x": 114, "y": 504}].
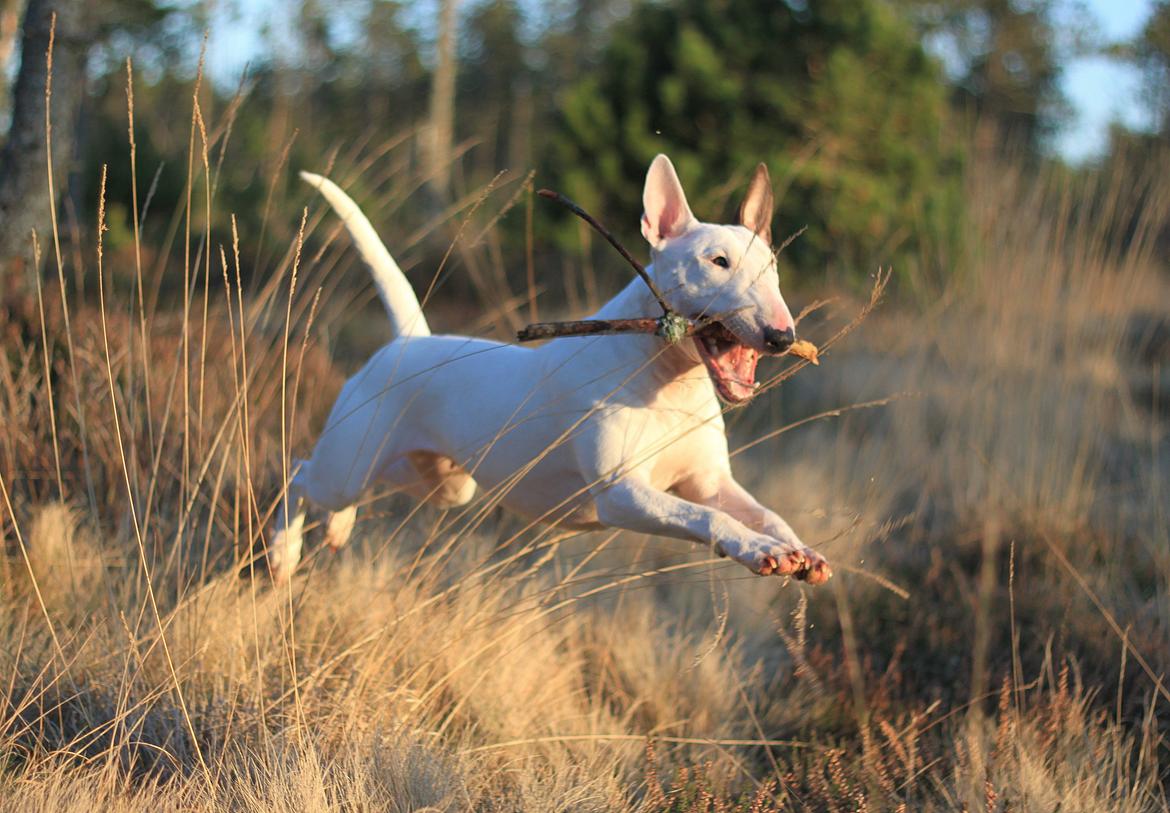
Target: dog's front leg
[
  {"x": 724, "y": 493},
  {"x": 635, "y": 505}
]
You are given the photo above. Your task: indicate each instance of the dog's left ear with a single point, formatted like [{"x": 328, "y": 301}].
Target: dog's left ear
[{"x": 756, "y": 210}]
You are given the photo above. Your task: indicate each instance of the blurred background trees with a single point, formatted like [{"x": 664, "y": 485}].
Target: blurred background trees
[
  {"x": 1003, "y": 62},
  {"x": 865, "y": 110},
  {"x": 839, "y": 98},
  {"x": 1152, "y": 52},
  {"x": 84, "y": 33}
]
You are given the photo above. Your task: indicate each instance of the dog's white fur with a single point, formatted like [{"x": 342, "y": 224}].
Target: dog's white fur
[{"x": 621, "y": 431}]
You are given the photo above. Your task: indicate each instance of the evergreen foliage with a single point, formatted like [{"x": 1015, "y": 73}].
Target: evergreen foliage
[{"x": 838, "y": 97}]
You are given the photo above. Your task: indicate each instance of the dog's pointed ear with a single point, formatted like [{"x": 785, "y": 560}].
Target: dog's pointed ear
[
  {"x": 666, "y": 213},
  {"x": 756, "y": 210}
]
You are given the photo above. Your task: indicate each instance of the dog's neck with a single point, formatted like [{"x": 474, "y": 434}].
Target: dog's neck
[{"x": 662, "y": 367}]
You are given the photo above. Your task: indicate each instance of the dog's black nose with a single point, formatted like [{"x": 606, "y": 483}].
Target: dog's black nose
[{"x": 777, "y": 341}]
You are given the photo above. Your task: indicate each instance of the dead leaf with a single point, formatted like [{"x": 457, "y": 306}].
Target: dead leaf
[{"x": 805, "y": 350}]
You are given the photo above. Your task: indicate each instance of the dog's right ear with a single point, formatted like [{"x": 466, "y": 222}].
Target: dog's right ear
[
  {"x": 666, "y": 213},
  {"x": 756, "y": 210}
]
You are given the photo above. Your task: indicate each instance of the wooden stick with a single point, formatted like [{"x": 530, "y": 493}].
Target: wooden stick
[
  {"x": 604, "y": 232},
  {"x": 593, "y": 327},
  {"x": 646, "y": 324}
]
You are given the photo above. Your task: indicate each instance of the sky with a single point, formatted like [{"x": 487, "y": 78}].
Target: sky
[{"x": 1099, "y": 90}]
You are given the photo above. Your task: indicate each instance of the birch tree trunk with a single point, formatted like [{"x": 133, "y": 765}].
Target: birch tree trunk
[{"x": 24, "y": 186}]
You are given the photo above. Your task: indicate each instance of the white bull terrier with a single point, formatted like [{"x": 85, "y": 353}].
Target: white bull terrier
[{"x": 622, "y": 431}]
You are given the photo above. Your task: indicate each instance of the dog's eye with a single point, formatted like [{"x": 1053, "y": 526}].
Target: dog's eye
[{"x": 721, "y": 261}]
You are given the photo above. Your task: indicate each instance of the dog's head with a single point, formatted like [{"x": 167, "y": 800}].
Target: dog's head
[{"x": 724, "y": 273}]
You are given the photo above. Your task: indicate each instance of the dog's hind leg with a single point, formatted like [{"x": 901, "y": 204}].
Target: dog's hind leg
[
  {"x": 339, "y": 527},
  {"x": 445, "y": 483},
  {"x": 428, "y": 476},
  {"x": 284, "y": 551}
]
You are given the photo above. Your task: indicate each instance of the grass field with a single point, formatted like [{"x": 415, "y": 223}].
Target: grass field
[{"x": 985, "y": 462}]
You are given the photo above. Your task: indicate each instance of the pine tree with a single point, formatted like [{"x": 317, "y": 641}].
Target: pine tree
[{"x": 838, "y": 97}]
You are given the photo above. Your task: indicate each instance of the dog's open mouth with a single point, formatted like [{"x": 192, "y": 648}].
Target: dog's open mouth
[{"x": 731, "y": 365}]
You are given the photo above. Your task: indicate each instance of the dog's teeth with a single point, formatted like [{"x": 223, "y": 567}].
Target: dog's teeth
[{"x": 756, "y": 386}]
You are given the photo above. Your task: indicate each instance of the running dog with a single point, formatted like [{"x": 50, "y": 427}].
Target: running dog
[{"x": 622, "y": 431}]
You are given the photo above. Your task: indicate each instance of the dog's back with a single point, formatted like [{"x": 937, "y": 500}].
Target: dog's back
[{"x": 438, "y": 394}]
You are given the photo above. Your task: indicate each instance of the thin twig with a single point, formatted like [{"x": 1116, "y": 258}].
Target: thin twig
[
  {"x": 604, "y": 232},
  {"x": 790, "y": 239}
]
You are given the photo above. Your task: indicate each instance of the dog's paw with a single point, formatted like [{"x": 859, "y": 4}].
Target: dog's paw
[
  {"x": 769, "y": 557},
  {"x": 783, "y": 560},
  {"x": 339, "y": 528},
  {"x": 816, "y": 569},
  {"x": 284, "y": 553}
]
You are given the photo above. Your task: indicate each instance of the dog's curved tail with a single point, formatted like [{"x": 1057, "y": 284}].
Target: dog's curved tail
[{"x": 406, "y": 317}]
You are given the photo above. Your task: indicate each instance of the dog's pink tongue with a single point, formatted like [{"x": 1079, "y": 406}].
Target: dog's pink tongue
[{"x": 738, "y": 366}]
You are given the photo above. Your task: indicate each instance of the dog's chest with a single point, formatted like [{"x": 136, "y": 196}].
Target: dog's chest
[
  {"x": 677, "y": 437},
  {"x": 688, "y": 449}
]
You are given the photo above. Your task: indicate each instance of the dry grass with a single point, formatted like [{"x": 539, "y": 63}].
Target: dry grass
[{"x": 994, "y": 638}]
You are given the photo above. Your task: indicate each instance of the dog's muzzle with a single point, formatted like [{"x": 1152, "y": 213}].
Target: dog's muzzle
[{"x": 778, "y": 341}]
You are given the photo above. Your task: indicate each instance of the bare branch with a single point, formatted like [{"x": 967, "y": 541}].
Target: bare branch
[{"x": 604, "y": 232}]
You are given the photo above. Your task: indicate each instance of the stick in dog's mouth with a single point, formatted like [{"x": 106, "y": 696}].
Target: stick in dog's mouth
[{"x": 730, "y": 363}]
